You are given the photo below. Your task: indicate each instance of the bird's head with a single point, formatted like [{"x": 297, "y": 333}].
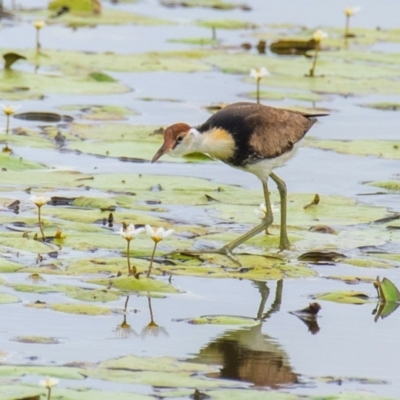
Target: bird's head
[{"x": 178, "y": 141}]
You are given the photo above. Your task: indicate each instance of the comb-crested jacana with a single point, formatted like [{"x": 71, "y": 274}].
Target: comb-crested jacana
[{"x": 251, "y": 137}]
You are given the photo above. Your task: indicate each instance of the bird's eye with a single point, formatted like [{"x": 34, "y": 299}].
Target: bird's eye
[{"x": 179, "y": 139}]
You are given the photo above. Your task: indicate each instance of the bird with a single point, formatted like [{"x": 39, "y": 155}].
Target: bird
[{"x": 251, "y": 137}]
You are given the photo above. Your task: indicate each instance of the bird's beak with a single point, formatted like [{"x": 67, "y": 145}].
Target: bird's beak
[{"x": 161, "y": 151}]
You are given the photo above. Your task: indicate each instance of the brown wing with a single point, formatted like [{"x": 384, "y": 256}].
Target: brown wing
[{"x": 276, "y": 130}]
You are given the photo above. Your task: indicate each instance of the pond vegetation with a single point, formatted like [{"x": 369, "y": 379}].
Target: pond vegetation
[{"x": 89, "y": 229}]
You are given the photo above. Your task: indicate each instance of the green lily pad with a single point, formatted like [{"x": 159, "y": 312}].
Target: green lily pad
[
  {"x": 368, "y": 263},
  {"x": 36, "y": 340},
  {"x": 270, "y": 95},
  {"x": 81, "y": 309},
  {"x": 155, "y": 364},
  {"x": 10, "y": 162},
  {"x": 227, "y": 24},
  {"x": 222, "y": 320},
  {"x": 77, "y": 6},
  {"x": 6, "y": 298},
  {"x": 344, "y": 296},
  {"x": 23, "y": 287},
  {"x": 384, "y": 106},
  {"x": 39, "y": 84},
  {"x": 113, "y": 17},
  {"x": 101, "y": 113},
  {"x": 377, "y": 148},
  {"x": 131, "y": 284},
  {"x": 15, "y": 392},
  {"x": 389, "y": 185},
  {"x": 388, "y": 292},
  {"x": 55, "y": 372},
  {"x": 215, "y": 4},
  {"x": 198, "y": 41},
  {"x": 9, "y": 266},
  {"x": 94, "y": 295}
]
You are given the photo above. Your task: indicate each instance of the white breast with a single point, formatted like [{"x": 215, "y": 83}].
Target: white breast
[{"x": 262, "y": 169}]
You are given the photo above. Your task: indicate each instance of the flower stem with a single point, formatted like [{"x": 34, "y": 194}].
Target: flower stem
[
  {"x": 49, "y": 393},
  {"x": 152, "y": 258},
  {"x": 346, "y": 29},
  {"x": 258, "y": 90},
  {"x": 37, "y": 41},
  {"x": 40, "y": 222},
  {"x": 315, "y": 60},
  {"x": 7, "y": 124},
  {"x": 128, "y": 243}
]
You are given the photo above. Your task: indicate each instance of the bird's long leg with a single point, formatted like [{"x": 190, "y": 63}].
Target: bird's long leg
[
  {"x": 227, "y": 249},
  {"x": 265, "y": 223},
  {"x": 284, "y": 243}
]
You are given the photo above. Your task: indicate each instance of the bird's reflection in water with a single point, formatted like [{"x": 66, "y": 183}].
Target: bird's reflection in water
[{"x": 249, "y": 355}]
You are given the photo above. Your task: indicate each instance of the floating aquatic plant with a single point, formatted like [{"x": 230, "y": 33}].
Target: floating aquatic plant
[
  {"x": 8, "y": 111},
  {"x": 349, "y": 11},
  {"x": 49, "y": 383},
  {"x": 157, "y": 236},
  {"x": 40, "y": 200},
  {"x": 129, "y": 233},
  {"x": 317, "y": 36},
  {"x": 258, "y": 74}
]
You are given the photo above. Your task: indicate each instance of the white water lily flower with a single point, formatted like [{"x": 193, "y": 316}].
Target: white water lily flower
[
  {"x": 319, "y": 35},
  {"x": 349, "y": 11},
  {"x": 49, "y": 382},
  {"x": 39, "y": 24},
  {"x": 40, "y": 199},
  {"x": 261, "y": 211},
  {"x": 130, "y": 232},
  {"x": 258, "y": 73},
  {"x": 158, "y": 234},
  {"x": 9, "y": 110}
]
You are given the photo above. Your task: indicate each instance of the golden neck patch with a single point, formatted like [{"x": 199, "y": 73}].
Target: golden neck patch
[{"x": 217, "y": 142}]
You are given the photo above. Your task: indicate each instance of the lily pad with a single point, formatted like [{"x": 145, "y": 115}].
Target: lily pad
[
  {"x": 131, "y": 284},
  {"x": 101, "y": 296},
  {"x": 344, "y": 296},
  {"x": 36, "y": 340},
  {"x": 215, "y": 4},
  {"x": 54, "y": 371},
  {"x": 81, "y": 309},
  {"x": 77, "y": 6},
  {"x": 11, "y": 162},
  {"x": 222, "y": 320},
  {"x": 384, "y": 106},
  {"x": 6, "y": 298},
  {"x": 377, "y": 148},
  {"x": 227, "y": 24}
]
